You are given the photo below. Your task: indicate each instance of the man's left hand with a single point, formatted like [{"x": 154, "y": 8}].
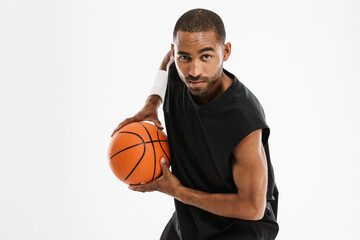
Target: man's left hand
[{"x": 167, "y": 183}]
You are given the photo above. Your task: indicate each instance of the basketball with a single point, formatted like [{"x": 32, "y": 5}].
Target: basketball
[{"x": 135, "y": 151}]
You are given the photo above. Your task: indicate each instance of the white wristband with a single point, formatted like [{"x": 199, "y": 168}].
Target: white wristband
[{"x": 159, "y": 85}]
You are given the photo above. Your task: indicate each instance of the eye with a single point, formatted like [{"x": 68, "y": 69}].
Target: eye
[
  {"x": 184, "y": 58},
  {"x": 206, "y": 57}
]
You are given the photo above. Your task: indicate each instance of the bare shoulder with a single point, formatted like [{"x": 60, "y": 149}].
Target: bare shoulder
[{"x": 252, "y": 142}]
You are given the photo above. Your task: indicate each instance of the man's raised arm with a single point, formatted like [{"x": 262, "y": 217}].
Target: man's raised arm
[{"x": 150, "y": 110}]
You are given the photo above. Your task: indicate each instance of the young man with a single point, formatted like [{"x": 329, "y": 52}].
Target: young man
[{"x": 222, "y": 179}]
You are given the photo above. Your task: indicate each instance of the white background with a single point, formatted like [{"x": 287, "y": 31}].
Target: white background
[{"x": 72, "y": 70}]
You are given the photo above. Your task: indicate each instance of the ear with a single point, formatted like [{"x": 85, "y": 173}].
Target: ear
[
  {"x": 227, "y": 51},
  {"x": 172, "y": 50}
]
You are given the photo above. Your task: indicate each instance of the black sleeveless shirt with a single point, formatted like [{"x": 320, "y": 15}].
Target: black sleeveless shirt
[{"x": 201, "y": 140}]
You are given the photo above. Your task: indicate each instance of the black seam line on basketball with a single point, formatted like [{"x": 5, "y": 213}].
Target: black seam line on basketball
[
  {"x": 128, "y": 147},
  {"x": 153, "y": 150},
  {"x": 141, "y": 156},
  {"x": 136, "y": 163},
  {"x": 135, "y": 146},
  {"x": 157, "y": 132}
]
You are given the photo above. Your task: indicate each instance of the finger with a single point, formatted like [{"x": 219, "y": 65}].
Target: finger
[
  {"x": 122, "y": 124},
  {"x": 156, "y": 122},
  {"x": 125, "y": 122},
  {"x": 138, "y": 188},
  {"x": 114, "y": 132},
  {"x": 116, "y": 129},
  {"x": 146, "y": 187},
  {"x": 164, "y": 166}
]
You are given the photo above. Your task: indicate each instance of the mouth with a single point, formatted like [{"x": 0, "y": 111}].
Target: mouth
[{"x": 196, "y": 83}]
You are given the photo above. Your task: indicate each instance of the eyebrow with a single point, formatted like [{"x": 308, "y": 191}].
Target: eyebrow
[
  {"x": 206, "y": 49},
  {"x": 200, "y": 51}
]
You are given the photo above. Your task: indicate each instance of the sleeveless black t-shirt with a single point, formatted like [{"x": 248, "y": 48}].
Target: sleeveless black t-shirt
[{"x": 201, "y": 140}]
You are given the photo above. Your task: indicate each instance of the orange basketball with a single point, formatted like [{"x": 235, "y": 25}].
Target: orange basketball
[{"x": 135, "y": 152}]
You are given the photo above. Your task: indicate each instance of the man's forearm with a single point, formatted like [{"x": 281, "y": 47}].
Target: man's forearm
[
  {"x": 226, "y": 205},
  {"x": 153, "y": 101},
  {"x": 223, "y": 204}
]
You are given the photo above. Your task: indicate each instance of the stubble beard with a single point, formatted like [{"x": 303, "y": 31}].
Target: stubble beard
[{"x": 211, "y": 81}]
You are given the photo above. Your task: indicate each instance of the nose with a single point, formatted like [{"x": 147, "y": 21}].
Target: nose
[{"x": 195, "y": 69}]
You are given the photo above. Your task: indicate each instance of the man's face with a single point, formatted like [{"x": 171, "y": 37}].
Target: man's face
[{"x": 199, "y": 60}]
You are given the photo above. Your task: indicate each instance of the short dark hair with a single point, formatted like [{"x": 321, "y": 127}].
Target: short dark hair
[{"x": 200, "y": 20}]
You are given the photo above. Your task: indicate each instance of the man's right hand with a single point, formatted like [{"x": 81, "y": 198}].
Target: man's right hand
[{"x": 148, "y": 113}]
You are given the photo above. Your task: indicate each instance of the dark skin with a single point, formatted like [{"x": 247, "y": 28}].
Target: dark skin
[
  {"x": 150, "y": 110},
  {"x": 199, "y": 59}
]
